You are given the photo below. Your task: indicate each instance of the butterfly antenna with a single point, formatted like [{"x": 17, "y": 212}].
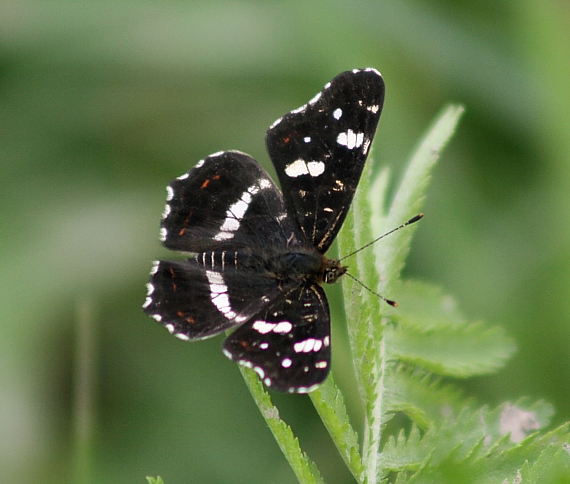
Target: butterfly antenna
[
  {"x": 389, "y": 301},
  {"x": 409, "y": 222}
]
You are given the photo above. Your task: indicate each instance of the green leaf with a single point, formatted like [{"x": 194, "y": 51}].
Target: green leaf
[
  {"x": 379, "y": 269},
  {"x": 552, "y": 466},
  {"x": 152, "y": 480},
  {"x": 329, "y": 402},
  {"x": 474, "y": 445},
  {"x": 421, "y": 396},
  {"x": 431, "y": 333}
]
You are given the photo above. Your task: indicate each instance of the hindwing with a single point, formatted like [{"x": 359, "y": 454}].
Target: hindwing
[{"x": 288, "y": 342}]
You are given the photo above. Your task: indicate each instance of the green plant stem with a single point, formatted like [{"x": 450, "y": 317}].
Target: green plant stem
[
  {"x": 305, "y": 470},
  {"x": 329, "y": 403}
]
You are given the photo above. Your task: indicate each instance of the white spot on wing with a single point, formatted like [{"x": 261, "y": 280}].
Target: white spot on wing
[
  {"x": 308, "y": 345},
  {"x": 219, "y": 294},
  {"x": 373, "y": 109},
  {"x": 301, "y": 167},
  {"x": 286, "y": 362},
  {"x": 337, "y": 113},
  {"x": 297, "y": 168},
  {"x": 162, "y": 234},
  {"x": 264, "y": 327},
  {"x": 350, "y": 139},
  {"x": 237, "y": 210},
  {"x": 316, "y": 168},
  {"x": 283, "y": 327},
  {"x": 182, "y": 336},
  {"x": 321, "y": 364},
  {"x": 169, "y": 193},
  {"x": 147, "y": 302},
  {"x": 307, "y": 139}
]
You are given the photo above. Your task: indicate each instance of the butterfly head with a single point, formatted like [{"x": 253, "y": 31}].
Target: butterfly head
[{"x": 333, "y": 270}]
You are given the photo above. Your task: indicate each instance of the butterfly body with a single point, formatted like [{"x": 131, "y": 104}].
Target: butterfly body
[{"x": 257, "y": 253}]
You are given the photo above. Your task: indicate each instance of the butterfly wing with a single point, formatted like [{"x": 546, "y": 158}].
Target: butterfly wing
[
  {"x": 319, "y": 151},
  {"x": 195, "y": 301},
  {"x": 225, "y": 210},
  {"x": 227, "y": 201},
  {"x": 288, "y": 342}
]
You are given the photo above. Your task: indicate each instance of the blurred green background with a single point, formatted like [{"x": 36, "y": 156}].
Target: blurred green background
[{"x": 102, "y": 103}]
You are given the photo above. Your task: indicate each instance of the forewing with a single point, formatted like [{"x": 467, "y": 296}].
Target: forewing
[
  {"x": 319, "y": 151},
  {"x": 194, "y": 301},
  {"x": 226, "y": 201},
  {"x": 288, "y": 343}
]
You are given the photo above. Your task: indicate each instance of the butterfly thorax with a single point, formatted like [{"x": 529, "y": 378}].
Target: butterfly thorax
[{"x": 305, "y": 265}]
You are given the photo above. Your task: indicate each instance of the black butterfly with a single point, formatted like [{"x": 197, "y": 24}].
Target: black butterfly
[{"x": 258, "y": 254}]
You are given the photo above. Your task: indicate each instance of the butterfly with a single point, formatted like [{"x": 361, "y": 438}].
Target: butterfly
[{"x": 257, "y": 260}]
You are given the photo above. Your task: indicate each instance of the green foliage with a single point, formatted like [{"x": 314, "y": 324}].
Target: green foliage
[
  {"x": 152, "y": 480},
  {"x": 401, "y": 357}
]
